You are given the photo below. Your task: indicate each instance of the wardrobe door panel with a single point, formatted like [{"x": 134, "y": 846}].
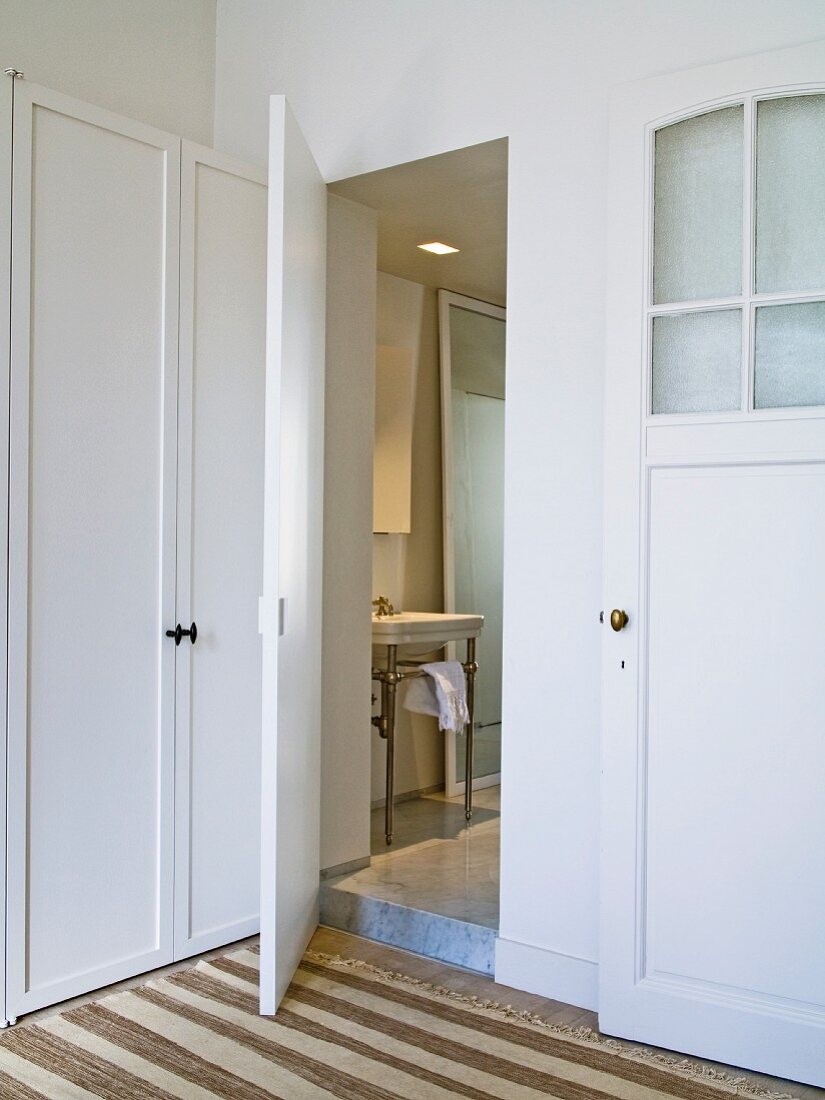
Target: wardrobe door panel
[
  {"x": 92, "y": 548},
  {"x": 220, "y": 549}
]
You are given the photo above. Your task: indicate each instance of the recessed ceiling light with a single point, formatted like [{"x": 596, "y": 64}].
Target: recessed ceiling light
[{"x": 438, "y": 248}]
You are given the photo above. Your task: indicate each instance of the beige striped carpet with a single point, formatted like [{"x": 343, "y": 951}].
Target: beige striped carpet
[{"x": 346, "y": 1029}]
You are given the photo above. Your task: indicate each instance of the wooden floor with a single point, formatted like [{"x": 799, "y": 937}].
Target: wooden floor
[{"x": 428, "y": 970}]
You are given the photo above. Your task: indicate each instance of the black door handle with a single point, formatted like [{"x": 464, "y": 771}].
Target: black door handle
[{"x": 179, "y": 632}]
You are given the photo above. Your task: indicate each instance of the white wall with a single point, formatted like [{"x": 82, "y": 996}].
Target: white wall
[
  {"x": 153, "y": 60},
  {"x": 409, "y": 568},
  {"x": 375, "y": 83},
  {"x": 352, "y": 245}
]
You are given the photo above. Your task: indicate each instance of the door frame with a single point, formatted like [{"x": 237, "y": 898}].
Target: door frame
[
  {"x": 6, "y": 126},
  {"x": 775, "y": 1043},
  {"x": 447, "y": 298}
]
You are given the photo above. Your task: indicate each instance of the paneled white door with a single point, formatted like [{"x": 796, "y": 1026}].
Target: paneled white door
[
  {"x": 92, "y": 548},
  {"x": 713, "y": 816},
  {"x": 220, "y": 549},
  {"x": 293, "y": 554}
]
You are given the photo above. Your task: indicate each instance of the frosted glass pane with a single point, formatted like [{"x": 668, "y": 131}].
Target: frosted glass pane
[
  {"x": 790, "y": 355},
  {"x": 790, "y": 193},
  {"x": 697, "y": 362},
  {"x": 697, "y": 214}
]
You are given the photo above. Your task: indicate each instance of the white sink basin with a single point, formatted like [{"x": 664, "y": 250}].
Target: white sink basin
[{"x": 422, "y": 631}]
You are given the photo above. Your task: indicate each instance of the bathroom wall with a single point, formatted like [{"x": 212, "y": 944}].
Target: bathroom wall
[
  {"x": 352, "y": 243},
  {"x": 408, "y": 568},
  {"x": 152, "y": 60}
]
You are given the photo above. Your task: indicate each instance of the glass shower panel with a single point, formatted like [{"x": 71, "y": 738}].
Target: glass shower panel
[
  {"x": 697, "y": 215},
  {"x": 789, "y": 367},
  {"x": 477, "y": 381},
  {"x": 790, "y": 196},
  {"x": 478, "y": 440},
  {"x": 697, "y": 362}
]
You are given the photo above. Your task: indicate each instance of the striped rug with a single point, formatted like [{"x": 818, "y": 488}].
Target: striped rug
[{"x": 346, "y": 1029}]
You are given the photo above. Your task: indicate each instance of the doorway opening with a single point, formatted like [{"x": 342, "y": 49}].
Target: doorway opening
[{"x": 431, "y": 881}]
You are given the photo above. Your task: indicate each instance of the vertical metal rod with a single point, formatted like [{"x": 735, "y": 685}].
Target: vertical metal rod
[
  {"x": 391, "y": 684},
  {"x": 470, "y": 670}
]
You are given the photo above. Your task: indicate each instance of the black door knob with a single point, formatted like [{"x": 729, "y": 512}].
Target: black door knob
[{"x": 179, "y": 632}]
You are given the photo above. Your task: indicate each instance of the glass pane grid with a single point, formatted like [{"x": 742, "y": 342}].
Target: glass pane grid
[
  {"x": 779, "y": 350},
  {"x": 697, "y": 362},
  {"x": 664, "y": 308},
  {"x": 789, "y": 355},
  {"x": 747, "y": 336},
  {"x": 789, "y": 229},
  {"x": 749, "y": 256},
  {"x": 697, "y": 200},
  {"x": 789, "y": 298}
]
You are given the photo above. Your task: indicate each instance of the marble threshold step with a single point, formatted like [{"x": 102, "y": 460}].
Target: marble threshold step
[{"x": 433, "y": 935}]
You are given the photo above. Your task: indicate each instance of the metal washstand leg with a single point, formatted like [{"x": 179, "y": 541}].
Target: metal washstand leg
[
  {"x": 470, "y": 670},
  {"x": 391, "y": 685}
]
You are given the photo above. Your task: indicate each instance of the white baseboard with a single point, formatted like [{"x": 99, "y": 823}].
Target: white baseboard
[
  {"x": 548, "y": 973},
  {"x": 407, "y": 796},
  {"x": 479, "y": 784},
  {"x": 348, "y": 868}
]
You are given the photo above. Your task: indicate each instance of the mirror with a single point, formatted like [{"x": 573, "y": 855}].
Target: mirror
[{"x": 472, "y": 339}]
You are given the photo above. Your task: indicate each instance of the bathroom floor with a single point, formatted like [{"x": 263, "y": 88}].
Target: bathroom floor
[
  {"x": 437, "y": 861},
  {"x": 435, "y": 890}
]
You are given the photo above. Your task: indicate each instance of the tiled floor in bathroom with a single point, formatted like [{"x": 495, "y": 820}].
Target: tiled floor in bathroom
[
  {"x": 435, "y": 890},
  {"x": 437, "y": 861}
]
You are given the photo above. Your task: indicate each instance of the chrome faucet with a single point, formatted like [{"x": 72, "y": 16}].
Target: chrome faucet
[{"x": 383, "y": 607}]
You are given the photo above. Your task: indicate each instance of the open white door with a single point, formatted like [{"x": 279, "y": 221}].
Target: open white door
[
  {"x": 713, "y": 816},
  {"x": 293, "y": 531}
]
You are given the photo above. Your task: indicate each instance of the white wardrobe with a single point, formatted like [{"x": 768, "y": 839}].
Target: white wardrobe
[{"x": 135, "y": 421}]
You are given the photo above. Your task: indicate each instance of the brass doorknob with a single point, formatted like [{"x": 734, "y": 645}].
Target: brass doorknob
[{"x": 618, "y": 619}]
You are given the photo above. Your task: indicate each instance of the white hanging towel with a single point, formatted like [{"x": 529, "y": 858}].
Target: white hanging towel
[{"x": 442, "y": 692}]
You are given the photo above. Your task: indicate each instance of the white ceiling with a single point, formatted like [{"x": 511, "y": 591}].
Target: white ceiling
[{"x": 459, "y": 198}]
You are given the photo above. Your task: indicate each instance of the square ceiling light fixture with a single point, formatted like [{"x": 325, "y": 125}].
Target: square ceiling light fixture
[{"x": 438, "y": 248}]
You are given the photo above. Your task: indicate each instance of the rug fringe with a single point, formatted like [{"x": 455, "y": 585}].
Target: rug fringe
[{"x": 682, "y": 1067}]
